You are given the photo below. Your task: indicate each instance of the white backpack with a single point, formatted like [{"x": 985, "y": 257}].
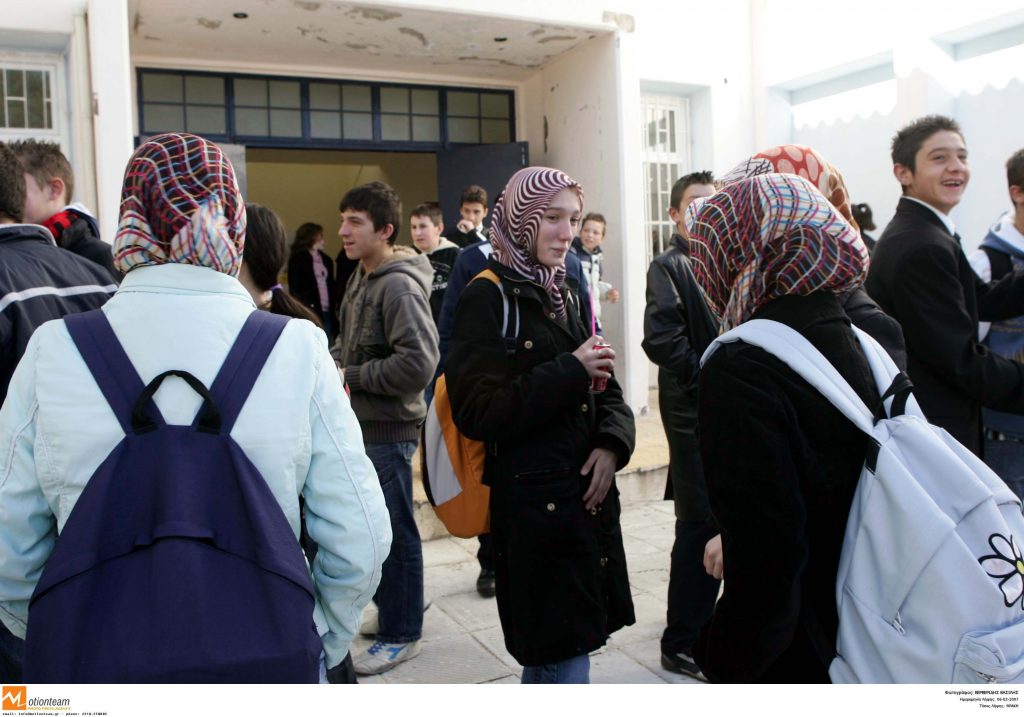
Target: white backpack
[{"x": 930, "y": 586}]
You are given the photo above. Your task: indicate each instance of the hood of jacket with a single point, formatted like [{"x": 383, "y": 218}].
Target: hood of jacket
[
  {"x": 408, "y": 261},
  {"x": 445, "y": 244},
  {"x": 1005, "y": 230}
]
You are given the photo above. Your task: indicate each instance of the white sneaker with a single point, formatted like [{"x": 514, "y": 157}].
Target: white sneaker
[
  {"x": 382, "y": 656},
  {"x": 371, "y": 625}
]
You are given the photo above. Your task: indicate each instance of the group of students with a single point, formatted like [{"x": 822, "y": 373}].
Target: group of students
[{"x": 763, "y": 468}]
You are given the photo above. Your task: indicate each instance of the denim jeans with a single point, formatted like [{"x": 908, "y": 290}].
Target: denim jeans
[
  {"x": 574, "y": 671},
  {"x": 691, "y": 591},
  {"x": 12, "y": 650},
  {"x": 1006, "y": 458},
  {"x": 399, "y": 597}
]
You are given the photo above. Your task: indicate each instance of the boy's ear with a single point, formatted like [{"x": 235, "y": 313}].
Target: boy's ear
[
  {"x": 57, "y": 189},
  {"x": 903, "y": 174}
]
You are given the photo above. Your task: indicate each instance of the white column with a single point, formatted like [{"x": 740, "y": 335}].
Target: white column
[{"x": 111, "y": 72}]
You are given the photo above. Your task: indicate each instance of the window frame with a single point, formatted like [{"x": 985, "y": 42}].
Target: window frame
[
  {"x": 678, "y": 162},
  {"x": 53, "y": 64}
]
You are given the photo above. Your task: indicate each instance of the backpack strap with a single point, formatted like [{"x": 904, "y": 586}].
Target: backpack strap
[
  {"x": 110, "y": 366},
  {"x": 243, "y": 365},
  {"x": 509, "y": 313}
]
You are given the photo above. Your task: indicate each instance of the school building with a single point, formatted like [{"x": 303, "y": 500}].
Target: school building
[{"x": 312, "y": 98}]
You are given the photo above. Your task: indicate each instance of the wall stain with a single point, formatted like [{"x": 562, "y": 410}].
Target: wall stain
[
  {"x": 506, "y": 63},
  {"x": 322, "y": 39},
  {"x": 538, "y": 31},
  {"x": 373, "y": 13},
  {"x": 414, "y": 33},
  {"x": 309, "y": 30},
  {"x": 358, "y": 46},
  {"x": 309, "y": 6},
  {"x": 209, "y": 24},
  {"x": 556, "y": 38},
  {"x": 152, "y": 38}
]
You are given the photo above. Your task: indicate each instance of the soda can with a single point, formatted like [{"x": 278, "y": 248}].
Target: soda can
[{"x": 598, "y": 383}]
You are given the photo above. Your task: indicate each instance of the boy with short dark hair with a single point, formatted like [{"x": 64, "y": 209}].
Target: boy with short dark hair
[
  {"x": 387, "y": 347},
  {"x": 426, "y": 226},
  {"x": 472, "y": 210},
  {"x": 920, "y": 276},
  {"x": 587, "y": 246},
  {"x": 1002, "y": 252},
  {"x": 49, "y": 187}
]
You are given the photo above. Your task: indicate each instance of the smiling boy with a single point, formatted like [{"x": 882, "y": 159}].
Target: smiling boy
[{"x": 920, "y": 276}]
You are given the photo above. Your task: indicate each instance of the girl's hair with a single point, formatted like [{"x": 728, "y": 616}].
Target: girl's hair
[
  {"x": 264, "y": 256},
  {"x": 305, "y": 236}
]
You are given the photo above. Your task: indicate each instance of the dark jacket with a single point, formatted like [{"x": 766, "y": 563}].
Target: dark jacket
[
  {"x": 463, "y": 239},
  {"x": 344, "y": 268},
  {"x": 302, "y": 281},
  {"x": 781, "y": 465},
  {"x": 442, "y": 259},
  {"x": 561, "y": 579},
  {"x": 678, "y": 327},
  {"x": 39, "y": 282},
  {"x": 867, "y": 316},
  {"x": 920, "y": 276},
  {"x": 79, "y": 233}
]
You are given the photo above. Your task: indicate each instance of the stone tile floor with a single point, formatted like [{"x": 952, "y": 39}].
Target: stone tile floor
[{"x": 462, "y": 640}]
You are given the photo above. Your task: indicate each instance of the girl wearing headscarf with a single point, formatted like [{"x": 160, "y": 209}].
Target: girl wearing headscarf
[
  {"x": 808, "y": 163},
  {"x": 180, "y": 242},
  {"x": 553, "y": 446},
  {"x": 781, "y": 463}
]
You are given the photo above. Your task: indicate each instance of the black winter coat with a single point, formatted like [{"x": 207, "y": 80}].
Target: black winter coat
[
  {"x": 561, "y": 579},
  {"x": 302, "y": 281},
  {"x": 678, "y": 327},
  {"x": 920, "y": 276},
  {"x": 781, "y": 465}
]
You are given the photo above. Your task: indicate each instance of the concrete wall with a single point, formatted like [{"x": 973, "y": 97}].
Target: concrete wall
[{"x": 306, "y": 185}]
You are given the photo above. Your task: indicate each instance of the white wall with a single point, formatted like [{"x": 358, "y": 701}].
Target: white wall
[{"x": 582, "y": 98}]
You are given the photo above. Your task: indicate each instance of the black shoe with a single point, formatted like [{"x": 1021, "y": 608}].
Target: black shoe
[
  {"x": 485, "y": 583},
  {"x": 683, "y": 664}
]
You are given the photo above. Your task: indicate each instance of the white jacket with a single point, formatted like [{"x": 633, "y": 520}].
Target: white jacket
[{"x": 297, "y": 428}]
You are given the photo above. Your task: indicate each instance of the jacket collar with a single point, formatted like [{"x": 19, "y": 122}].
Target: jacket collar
[
  {"x": 802, "y": 312},
  {"x": 15, "y": 232},
  {"x": 182, "y": 279},
  {"x": 927, "y": 211}
]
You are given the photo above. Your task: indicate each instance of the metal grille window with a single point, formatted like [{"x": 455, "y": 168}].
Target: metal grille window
[
  {"x": 666, "y": 158},
  {"x": 297, "y": 112},
  {"x": 26, "y": 98}
]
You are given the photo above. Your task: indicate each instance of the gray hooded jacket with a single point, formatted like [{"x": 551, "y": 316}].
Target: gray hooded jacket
[{"x": 387, "y": 344}]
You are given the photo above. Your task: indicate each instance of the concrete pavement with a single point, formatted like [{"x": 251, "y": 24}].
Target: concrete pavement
[{"x": 462, "y": 640}]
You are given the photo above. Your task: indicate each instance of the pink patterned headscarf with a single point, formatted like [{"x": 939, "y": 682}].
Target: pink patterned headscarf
[
  {"x": 180, "y": 205},
  {"x": 516, "y": 222}
]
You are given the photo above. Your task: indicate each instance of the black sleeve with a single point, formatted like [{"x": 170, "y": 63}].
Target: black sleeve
[
  {"x": 867, "y": 316},
  {"x": 666, "y": 341},
  {"x": 1001, "y": 299},
  {"x": 488, "y": 401},
  {"x": 300, "y": 278},
  {"x": 929, "y": 300},
  {"x": 753, "y": 487}
]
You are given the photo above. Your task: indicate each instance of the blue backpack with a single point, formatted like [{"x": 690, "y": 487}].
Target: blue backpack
[{"x": 177, "y": 564}]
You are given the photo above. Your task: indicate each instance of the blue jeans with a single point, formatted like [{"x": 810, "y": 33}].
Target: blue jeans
[
  {"x": 574, "y": 671},
  {"x": 399, "y": 597},
  {"x": 1006, "y": 458}
]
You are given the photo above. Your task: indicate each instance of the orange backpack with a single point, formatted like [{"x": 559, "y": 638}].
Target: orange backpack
[{"x": 453, "y": 465}]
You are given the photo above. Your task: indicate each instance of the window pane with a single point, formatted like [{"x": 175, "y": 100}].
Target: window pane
[
  {"x": 163, "y": 118},
  {"x": 356, "y": 97},
  {"x": 162, "y": 88},
  {"x": 394, "y": 100},
  {"x": 672, "y": 132},
  {"x": 424, "y": 102},
  {"x": 3, "y": 112},
  {"x": 394, "y": 127},
  {"x": 285, "y": 123},
  {"x": 494, "y": 106},
  {"x": 463, "y": 104},
  {"x": 325, "y": 125},
  {"x": 284, "y": 94},
  {"x": 15, "y": 83},
  {"x": 464, "y": 130},
  {"x": 251, "y": 92},
  {"x": 36, "y": 100},
  {"x": 206, "y": 120},
  {"x": 204, "y": 90},
  {"x": 426, "y": 129},
  {"x": 252, "y": 122},
  {"x": 495, "y": 131},
  {"x": 357, "y": 125},
  {"x": 15, "y": 113},
  {"x": 324, "y": 97}
]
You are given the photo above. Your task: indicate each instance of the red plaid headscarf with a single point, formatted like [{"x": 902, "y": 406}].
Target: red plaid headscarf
[
  {"x": 180, "y": 205},
  {"x": 516, "y": 221},
  {"x": 769, "y": 236}
]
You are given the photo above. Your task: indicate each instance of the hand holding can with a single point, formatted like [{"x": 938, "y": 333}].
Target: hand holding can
[{"x": 599, "y": 383}]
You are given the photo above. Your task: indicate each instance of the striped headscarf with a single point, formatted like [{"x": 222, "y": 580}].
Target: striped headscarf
[
  {"x": 180, "y": 205},
  {"x": 516, "y": 222},
  {"x": 769, "y": 236},
  {"x": 802, "y": 161}
]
